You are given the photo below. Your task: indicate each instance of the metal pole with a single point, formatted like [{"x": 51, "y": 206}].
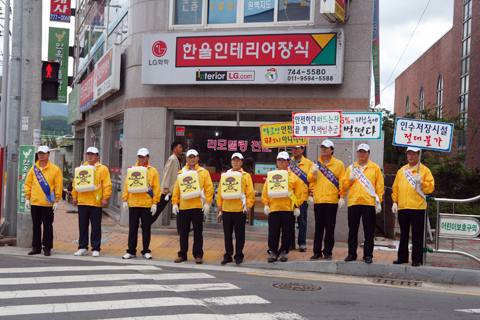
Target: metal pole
[{"x": 13, "y": 121}]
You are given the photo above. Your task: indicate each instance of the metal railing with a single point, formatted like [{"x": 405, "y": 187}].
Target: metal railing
[{"x": 451, "y": 237}]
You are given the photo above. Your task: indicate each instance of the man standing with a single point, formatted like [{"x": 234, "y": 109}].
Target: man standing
[
  {"x": 305, "y": 166},
  {"x": 408, "y": 195},
  {"x": 141, "y": 206},
  {"x": 170, "y": 171},
  {"x": 281, "y": 209},
  {"x": 327, "y": 180},
  {"x": 43, "y": 190},
  {"x": 192, "y": 179},
  {"x": 90, "y": 204},
  {"x": 365, "y": 181},
  {"x": 235, "y": 211}
]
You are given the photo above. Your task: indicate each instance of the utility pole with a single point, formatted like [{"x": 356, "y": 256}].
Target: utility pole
[
  {"x": 13, "y": 114},
  {"x": 31, "y": 102}
]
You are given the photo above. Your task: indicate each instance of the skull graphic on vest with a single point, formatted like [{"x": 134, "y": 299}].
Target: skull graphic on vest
[
  {"x": 136, "y": 178},
  {"x": 277, "y": 182},
  {"x": 84, "y": 175},
  {"x": 230, "y": 182},
  {"x": 187, "y": 183}
]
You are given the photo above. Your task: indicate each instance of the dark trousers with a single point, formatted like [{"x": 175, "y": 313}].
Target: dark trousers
[
  {"x": 160, "y": 207},
  {"x": 416, "y": 219},
  {"x": 367, "y": 214},
  {"x": 302, "y": 226},
  {"x": 280, "y": 222},
  {"x": 234, "y": 221},
  {"x": 90, "y": 215},
  {"x": 325, "y": 220},
  {"x": 194, "y": 216},
  {"x": 134, "y": 215},
  {"x": 42, "y": 215}
]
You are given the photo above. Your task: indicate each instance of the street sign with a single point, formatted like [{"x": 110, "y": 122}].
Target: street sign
[
  {"x": 459, "y": 226},
  {"x": 277, "y": 135},
  {"x": 429, "y": 135},
  {"x": 27, "y": 160},
  {"x": 317, "y": 124}
]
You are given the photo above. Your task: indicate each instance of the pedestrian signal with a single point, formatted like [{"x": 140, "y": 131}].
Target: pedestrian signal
[{"x": 50, "y": 80}]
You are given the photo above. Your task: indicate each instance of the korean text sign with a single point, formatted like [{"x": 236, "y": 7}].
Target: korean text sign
[
  {"x": 60, "y": 10},
  {"x": 26, "y": 161},
  {"x": 465, "y": 227},
  {"x": 86, "y": 93},
  {"x": 276, "y": 57},
  {"x": 422, "y": 134},
  {"x": 317, "y": 124},
  {"x": 279, "y": 135},
  {"x": 58, "y": 40},
  {"x": 363, "y": 125}
]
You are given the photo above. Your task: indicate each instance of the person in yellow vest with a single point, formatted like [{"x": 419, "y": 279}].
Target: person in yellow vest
[
  {"x": 408, "y": 195},
  {"x": 281, "y": 211},
  {"x": 141, "y": 206},
  {"x": 364, "y": 179},
  {"x": 235, "y": 211},
  {"x": 192, "y": 209},
  {"x": 327, "y": 180},
  {"x": 90, "y": 204},
  {"x": 305, "y": 165},
  {"x": 43, "y": 190}
]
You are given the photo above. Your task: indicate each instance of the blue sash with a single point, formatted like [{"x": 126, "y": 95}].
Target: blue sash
[
  {"x": 328, "y": 174},
  {"x": 298, "y": 172},
  {"x": 44, "y": 185},
  {"x": 150, "y": 191}
]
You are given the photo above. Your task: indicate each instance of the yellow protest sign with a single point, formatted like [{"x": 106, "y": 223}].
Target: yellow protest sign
[
  {"x": 189, "y": 185},
  {"x": 276, "y": 135},
  {"x": 84, "y": 178},
  {"x": 278, "y": 184},
  {"x": 231, "y": 185},
  {"x": 137, "y": 180}
]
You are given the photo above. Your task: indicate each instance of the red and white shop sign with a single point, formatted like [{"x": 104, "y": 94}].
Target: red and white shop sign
[
  {"x": 60, "y": 10},
  {"x": 180, "y": 131},
  {"x": 302, "y": 57}
]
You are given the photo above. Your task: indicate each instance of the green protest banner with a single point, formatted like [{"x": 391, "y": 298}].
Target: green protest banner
[
  {"x": 26, "y": 161},
  {"x": 58, "y": 40}
]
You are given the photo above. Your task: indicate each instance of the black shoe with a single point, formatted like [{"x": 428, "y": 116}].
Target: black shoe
[
  {"x": 283, "y": 256},
  {"x": 350, "y": 258},
  {"x": 328, "y": 257},
  {"x": 238, "y": 261},
  {"x": 302, "y": 248},
  {"x": 35, "y": 251},
  {"x": 226, "y": 260},
  {"x": 368, "y": 259},
  {"x": 398, "y": 261},
  {"x": 316, "y": 257},
  {"x": 46, "y": 252},
  {"x": 273, "y": 257},
  {"x": 416, "y": 264},
  {"x": 291, "y": 248}
]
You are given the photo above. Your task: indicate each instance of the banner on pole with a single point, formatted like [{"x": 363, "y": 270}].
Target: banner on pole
[
  {"x": 429, "y": 135},
  {"x": 58, "y": 40},
  {"x": 277, "y": 135},
  {"x": 26, "y": 161},
  {"x": 317, "y": 124},
  {"x": 376, "y": 53}
]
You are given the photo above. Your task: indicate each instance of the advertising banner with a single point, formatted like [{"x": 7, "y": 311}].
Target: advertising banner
[
  {"x": 74, "y": 114},
  {"x": 60, "y": 10},
  {"x": 276, "y": 57},
  {"x": 317, "y": 124},
  {"x": 58, "y": 40},
  {"x": 422, "y": 134},
  {"x": 107, "y": 74},
  {"x": 376, "y": 53},
  {"x": 280, "y": 135},
  {"x": 86, "y": 93},
  {"x": 26, "y": 161},
  {"x": 361, "y": 125}
]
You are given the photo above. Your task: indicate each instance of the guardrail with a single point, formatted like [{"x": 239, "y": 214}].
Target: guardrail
[{"x": 454, "y": 226}]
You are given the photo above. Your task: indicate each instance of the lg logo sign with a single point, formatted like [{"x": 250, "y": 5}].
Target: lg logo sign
[{"x": 159, "y": 49}]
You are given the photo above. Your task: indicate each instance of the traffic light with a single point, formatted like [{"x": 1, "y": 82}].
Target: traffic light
[{"x": 50, "y": 80}]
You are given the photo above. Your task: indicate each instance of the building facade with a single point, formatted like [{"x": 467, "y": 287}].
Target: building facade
[
  {"x": 186, "y": 95},
  {"x": 447, "y": 76}
]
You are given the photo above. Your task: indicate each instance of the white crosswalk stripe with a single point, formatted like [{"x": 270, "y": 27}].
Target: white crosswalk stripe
[
  {"x": 237, "y": 316},
  {"x": 90, "y": 268},
  {"x": 475, "y": 311}
]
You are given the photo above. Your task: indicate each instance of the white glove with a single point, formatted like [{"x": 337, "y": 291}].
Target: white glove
[
  {"x": 310, "y": 200},
  {"x": 125, "y": 206},
  {"x": 395, "y": 208},
  {"x": 266, "y": 210},
  {"x": 315, "y": 168},
  {"x": 378, "y": 207},
  {"x": 341, "y": 203},
  {"x": 206, "y": 209},
  {"x": 55, "y": 207},
  {"x": 220, "y": 214},
  {"x": 418, "y": 179},
  {"x": 153, "y": 209},
  {"x": 296, "y": 212},
  {"x": 27, "y": 204},
  {"x": 175, "y": 209},
  {"x": 352, "y": 176},
  {"x": 167, "y": 197}
]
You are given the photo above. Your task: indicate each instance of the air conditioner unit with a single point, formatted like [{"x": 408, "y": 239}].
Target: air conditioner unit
[{"x": 333, "y": 10}]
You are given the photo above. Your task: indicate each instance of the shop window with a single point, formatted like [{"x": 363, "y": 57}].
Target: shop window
[
  {"x": 222, "y": 11},
  {"x": 266, "y": 117},
  {"x": 420, "y": 104},
  {"x": 188, "y": 12},
  {"x": 439, "y": 96},
  {"x": 293, "y": 10},
  {"x": 117, "y": 9},
  {"x": 216, "y": 116},
  {"x": 116, "y": 155},
  {"x": 259, "y": 11},
  {"x": 407, "y": 105}
]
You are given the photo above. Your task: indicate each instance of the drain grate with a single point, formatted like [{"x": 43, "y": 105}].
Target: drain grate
[
  {"x": 394, "y": 282},
  {"x": 297, "y": 286}
]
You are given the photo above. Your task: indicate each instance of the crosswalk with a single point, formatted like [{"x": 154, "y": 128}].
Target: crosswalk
[{"x": 70, "y": 291}]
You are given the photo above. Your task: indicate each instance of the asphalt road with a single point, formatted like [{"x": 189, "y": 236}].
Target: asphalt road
[{"x": 67, "y": 287}]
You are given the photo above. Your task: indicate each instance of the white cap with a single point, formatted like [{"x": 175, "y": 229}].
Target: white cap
[
  {"x": 327, "y": 144},
  {"x": 143, "y": 152},
  {"x": 192, "y": 151},
  {"x": 237, "y": 155},
  {"x": 92, "y": 150},
  {"x": 43, "y": 149},
  {"x": 408, "y": 149},
  {"x": 299, "y": 147},
  {"x": 283, "y": 155},
  {"x": 363, "y": 146}
]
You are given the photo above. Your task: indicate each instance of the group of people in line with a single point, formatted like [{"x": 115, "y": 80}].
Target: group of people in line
[{"x": 288, "y": 191}]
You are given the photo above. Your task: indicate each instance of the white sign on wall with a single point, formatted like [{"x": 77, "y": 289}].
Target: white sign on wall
[{"x": 107, "y": 74}]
